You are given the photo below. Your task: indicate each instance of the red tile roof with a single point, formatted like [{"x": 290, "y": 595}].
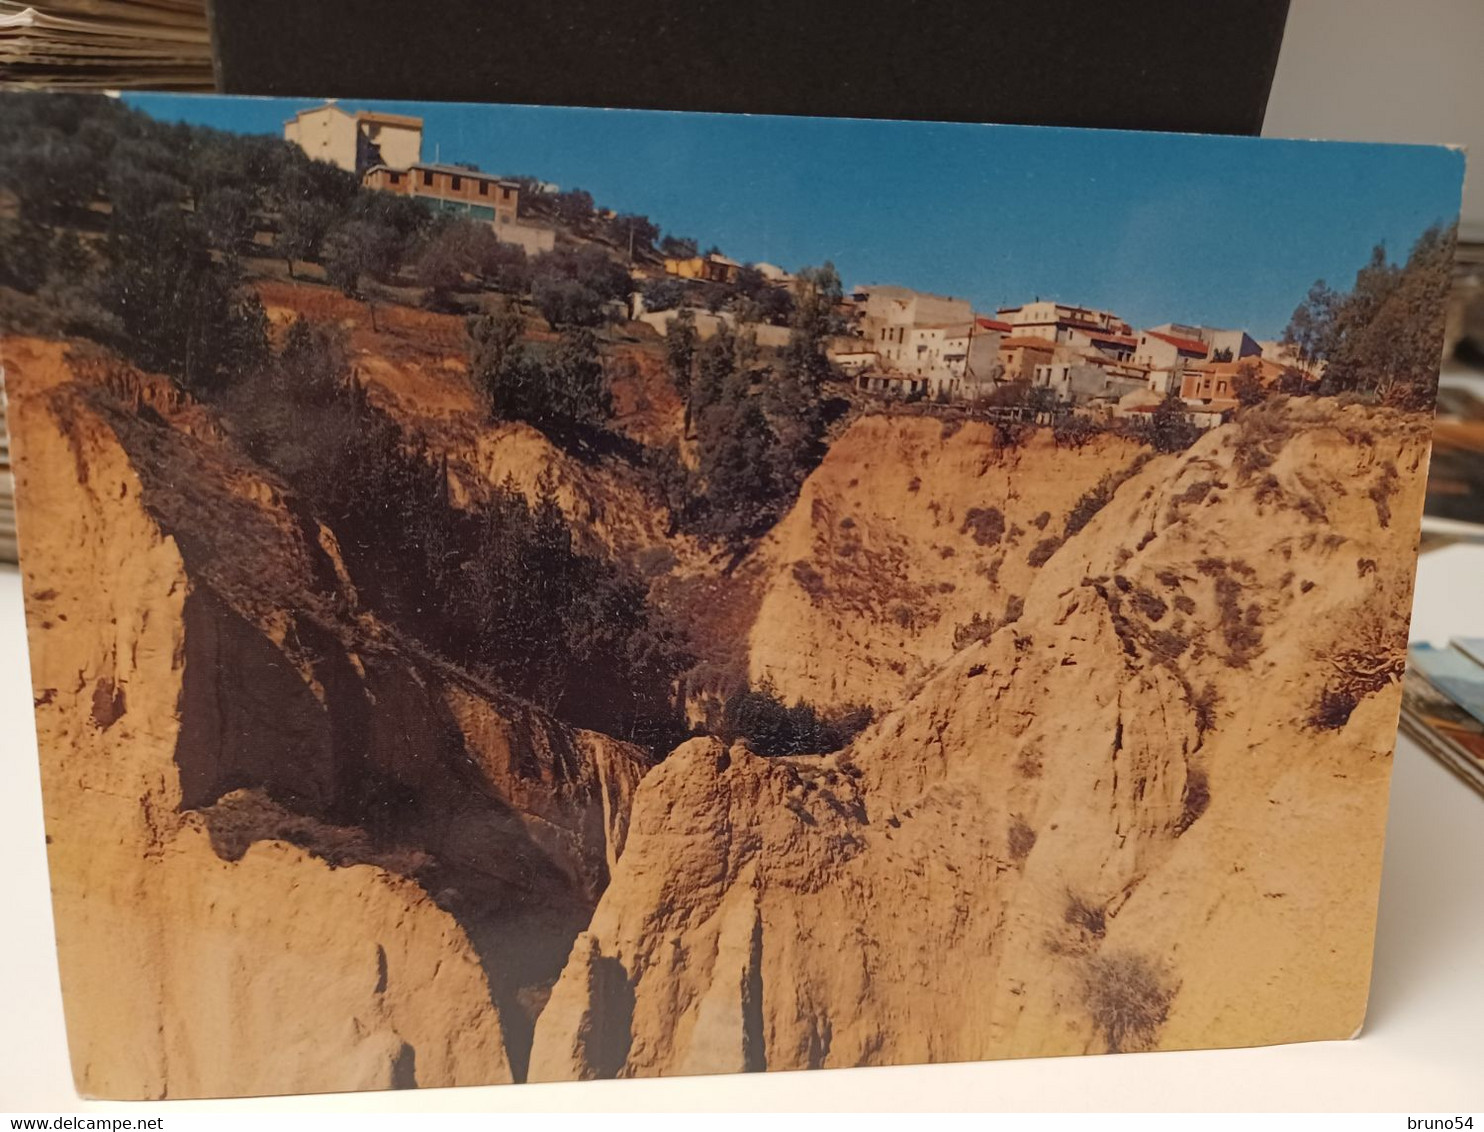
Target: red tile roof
[
  {"x": 994, "y": 324},
  {"x": 1028, "y": 342},
  {"x": 1184, "y": 345}
]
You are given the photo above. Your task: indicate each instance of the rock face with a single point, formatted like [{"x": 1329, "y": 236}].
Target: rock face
[
  {"x": 1123, "y": 789},
  {"x": 909, "y": 528},
  {"x": 1146, "y": 814},
  {"x": 289, "y": 851}
]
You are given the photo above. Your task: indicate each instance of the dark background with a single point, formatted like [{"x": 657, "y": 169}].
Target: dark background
[{"x": 1187, "y": 65}]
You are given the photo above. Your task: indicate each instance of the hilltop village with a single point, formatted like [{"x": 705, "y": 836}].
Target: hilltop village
[{"x": 1038, "y": 360}]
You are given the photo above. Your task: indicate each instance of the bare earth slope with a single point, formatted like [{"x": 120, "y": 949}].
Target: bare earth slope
[
  {"x": 300, "y": 851},
  {"x": 908, "y": 528},
  {"x": 1145, "y": 815}
]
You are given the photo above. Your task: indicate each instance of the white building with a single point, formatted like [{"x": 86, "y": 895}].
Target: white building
[
  {"x": 356, "y": 140},
  {"x": 1159, "y": 349},
  {"x": 1218, "y": 342},
  {"x": 1087, "y": 380},
  {"x": 1064, "y": 323}
]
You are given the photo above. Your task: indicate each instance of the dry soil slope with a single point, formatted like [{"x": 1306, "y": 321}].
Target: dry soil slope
[
  {"x": 909, "y": 528},
  {"x": 1082, "y": 834},
  {"x": 414, "y": 366},
  {"x": 197, "y": 653}
]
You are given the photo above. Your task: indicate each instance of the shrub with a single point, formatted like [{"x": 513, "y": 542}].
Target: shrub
[
  {"x": 1380, "y": 493},
  {"x": 1021, "y": 839},
  {"x": 1151, "y": 605},
  {"x": 1041, "y": 553},
  {"x": 1194, "y": 800},
  {"x": 1099, "y": 495},
  {"x": 1085, "y": 915},
  {"x": 1073, "y": 431},
  {"x": 977, "y": 628},
  {"x": 1127, "y": 997},
  {"x": 771, "y": 728},
  {"x": 986, "y": 525}
]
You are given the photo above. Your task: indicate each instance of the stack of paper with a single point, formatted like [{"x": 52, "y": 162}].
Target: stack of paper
[
  {"x": 7, "y": 486},
  {"x": 105, "y": 44},
  {"x": 1443, "y": 704}
]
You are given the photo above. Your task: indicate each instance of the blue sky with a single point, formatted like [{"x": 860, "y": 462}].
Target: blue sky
[{"x": 1216, "y": 231}]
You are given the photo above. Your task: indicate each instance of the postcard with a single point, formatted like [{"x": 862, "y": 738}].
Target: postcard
[
  {"x": 528, "y": 594},
  {"x": 1453, "y": 671},
  {"x": 1443, "y": 729},
  {"x": 1455, "y": 486}
]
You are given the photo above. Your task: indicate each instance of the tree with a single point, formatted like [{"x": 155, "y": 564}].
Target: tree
[
  {"x": 578, "y": 386},
  {"x": 678, "y": 247},
  {"x": 302, "y": 225},
  {"x": 1309, "y": 329},
  {"x": 681, "y": 343},
  {"x": 1384, "y": 336},
  {"x": 634, "y": 233},
  {"x": 573, "y": 207},
  {"x": 497, "y": 360},
  {"x": 181, "y": 311},
  {"x": 1169, "y": 429},
  {"x": 1222, "y": 355},
  {"x": 1247, "y": 385},
  {"x": 564, "y": 394},
  {"x": 663, "y": 294},
  {"x": 570, "y": 286},
  {"x": 357, "y": 250},
  {"x": 738, "y": 468},
  {"x": 566, "y": 302},
  {"x": 226, "y": 215},
  {"x": 1040, "y": 399}
]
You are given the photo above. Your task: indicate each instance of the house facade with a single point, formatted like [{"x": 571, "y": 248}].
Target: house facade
[
  {"x": 1160, "y": 350},
  {"x": 1062, "y": 323},
  {"x": 356, "y": 140},
  {"x": 1221, "y": 345},
  {"x": 1020, "y": 355},
  {"x": 465, "y": 190},
  {"x": 1083, "y": 381},
  {"x": 711, "y": 268}
]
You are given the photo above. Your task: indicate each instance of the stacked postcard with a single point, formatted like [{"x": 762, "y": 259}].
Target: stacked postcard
[
  {"x": 7, "y": 486},
  {"x": 1443, "y": 704},
  {"x": 94, "y": 44}
]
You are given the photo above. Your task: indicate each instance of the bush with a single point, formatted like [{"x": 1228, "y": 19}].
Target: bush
[
  {"x": 1100, "y": 495},
  {"x": 1041, "y": 553},
  {"x": 1073, "y": 430},
  {"x": 1020, "y": 839},
  {"x": 985, "y": 524},
  {"x": 1168, "y": 429},
  {"x": 771, "y": 728},
  {"x": 1128, "y": 999},
  {"x": 1333, "y": 709},
  {"x": 563, "y": 392}
]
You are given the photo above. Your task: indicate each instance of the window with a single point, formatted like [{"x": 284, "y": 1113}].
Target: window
[
  {"x": 484, "y": 188},
  {"x": 396, "y": 178},
  {"x": 427, "y": 176},
  {"x": 456, "y": 183}
]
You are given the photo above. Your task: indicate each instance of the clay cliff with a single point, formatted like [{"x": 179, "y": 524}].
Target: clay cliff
[
  {"x": 304, "y": 852},
  {"x": 1144, "y": 814},
  {"x": 1132, "y": 723},
  {"x": 909, "y": 528}
]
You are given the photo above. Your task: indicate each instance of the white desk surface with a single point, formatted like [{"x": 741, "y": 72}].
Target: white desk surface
[{"x": 1422, "y": 1049}]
